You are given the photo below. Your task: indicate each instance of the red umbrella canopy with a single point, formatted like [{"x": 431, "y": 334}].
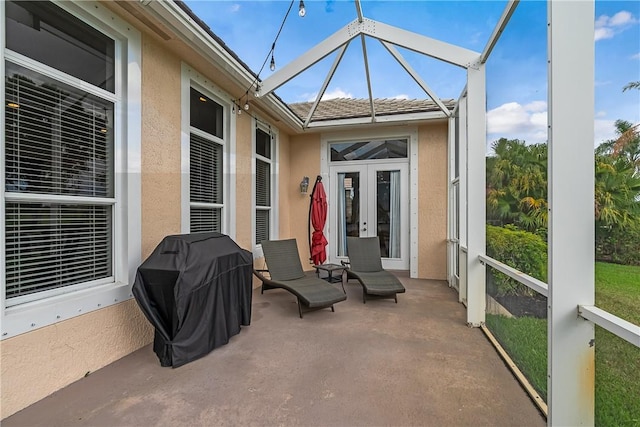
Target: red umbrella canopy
[{"x": 318, "y": 217}]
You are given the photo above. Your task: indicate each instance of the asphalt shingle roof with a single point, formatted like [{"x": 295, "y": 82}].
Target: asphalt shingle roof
[{"x": 345, "y": 108}]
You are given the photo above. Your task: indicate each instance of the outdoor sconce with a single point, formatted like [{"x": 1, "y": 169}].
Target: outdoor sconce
[{"x": 304, "y": 185}]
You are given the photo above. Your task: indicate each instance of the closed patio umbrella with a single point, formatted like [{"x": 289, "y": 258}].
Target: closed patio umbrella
[{"x": 317, "y": 219}]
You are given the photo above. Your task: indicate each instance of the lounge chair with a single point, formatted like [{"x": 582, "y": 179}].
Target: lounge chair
[
  {"x": 365, "y": 265},
  {"x": 285, "y": 272}
]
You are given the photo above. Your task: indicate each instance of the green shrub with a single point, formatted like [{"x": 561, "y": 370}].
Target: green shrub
[
  {"x": 620, "y": 246},
  {"x": 524, "y": 251}
]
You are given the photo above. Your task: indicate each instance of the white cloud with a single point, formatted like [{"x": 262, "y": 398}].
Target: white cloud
[
  {"x": 515, "y": 121},
  {"x": 400, "y": 96},
  {"x": 636, "y": 56},
  {"x": 336, "y": 93},
  {"x": 608, "y": 26},
  {"x": 234, "y": 8},
  {"x": 529, "y": 123},
  {"x": 603, "y": 33},
  {"x": 603, "y": 130},
  {"x": 622, "y": 18}
]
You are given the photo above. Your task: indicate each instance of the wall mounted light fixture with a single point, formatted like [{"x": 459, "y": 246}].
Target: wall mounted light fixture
[{"x": 304, "y": 185}]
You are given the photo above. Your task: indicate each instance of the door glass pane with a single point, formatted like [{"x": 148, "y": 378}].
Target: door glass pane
[
  {"x": 348, "y": 209},
  {"x": 368, "y": 150},
  {"x": 388, "y": 212}
]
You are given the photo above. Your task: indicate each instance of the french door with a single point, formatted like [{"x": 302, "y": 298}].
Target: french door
[{"x": 366, "y": 200}]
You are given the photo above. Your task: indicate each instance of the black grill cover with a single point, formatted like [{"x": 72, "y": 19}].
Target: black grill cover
[{"x": 195, "y": 289}]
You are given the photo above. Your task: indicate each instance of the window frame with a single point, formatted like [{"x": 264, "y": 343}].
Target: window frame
[
  {"x": 193, "y": 79},
  {"x": 258, "y": 124},
  {"x": 69, "y": 302}
]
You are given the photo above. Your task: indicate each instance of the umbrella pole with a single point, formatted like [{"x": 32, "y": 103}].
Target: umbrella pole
[{"x": 313, "y": 191}]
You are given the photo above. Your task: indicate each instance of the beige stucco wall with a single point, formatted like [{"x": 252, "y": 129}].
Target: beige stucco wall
[
  {"x": 161, "y": 121},
  {"x": 305, "y": 161},
  {"x": 244, "y": 181},
  {"x": 432, "y": 194},
  {"x": 38, "y": 363},
  {"x": 432, "y": 201}
]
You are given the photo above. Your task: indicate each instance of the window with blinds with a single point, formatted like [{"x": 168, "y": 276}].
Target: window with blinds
[
  {"x": 59, "y": 162},
  {"x": 263, "y": 185},
  {"x": 206, "y": 163}
]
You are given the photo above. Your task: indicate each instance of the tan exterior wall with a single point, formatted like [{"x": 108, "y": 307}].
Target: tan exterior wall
[
  {"x": 432, "y": 201},
  {"x": 432, "y": 194},
  {"x": 38, "y": 363},
  {"x": 161, "y": 121},
  {"x": 305, "y": 161},
  {"x": 284, "y": 184},
  {"x": 244, "y": 181}
]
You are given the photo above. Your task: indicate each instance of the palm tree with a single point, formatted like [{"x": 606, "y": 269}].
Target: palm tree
[
  {"x": 626, "y": 146},
  {"x": 632, "y": 85},
  {"x": 517, "y": 184}
]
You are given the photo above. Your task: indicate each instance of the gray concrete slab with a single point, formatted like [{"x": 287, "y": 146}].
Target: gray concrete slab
[{"x": 414, "y": 363}]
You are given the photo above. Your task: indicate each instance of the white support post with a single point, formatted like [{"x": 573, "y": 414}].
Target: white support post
[
  {"x": 571, "y": 357},
  {"x": 463, "y": 113},
  {"x": 451, "y": 204},
  {"x": 476, "y": 194}
]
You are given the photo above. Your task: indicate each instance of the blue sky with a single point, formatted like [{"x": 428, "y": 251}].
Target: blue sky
[{"x": 516, "y": 70}]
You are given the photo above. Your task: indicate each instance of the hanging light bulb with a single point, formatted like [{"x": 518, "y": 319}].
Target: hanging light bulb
[
  {"x": 239, "y": 110},
  {"x": 272, "y": 65},
  {"x": 246, "y": 105},
  {"x": 301, "y": 10}
]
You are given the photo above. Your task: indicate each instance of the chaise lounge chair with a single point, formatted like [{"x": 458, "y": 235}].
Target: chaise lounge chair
[
  {"x": 365, "y": 265},
  {"x": 285, "y": 271}
]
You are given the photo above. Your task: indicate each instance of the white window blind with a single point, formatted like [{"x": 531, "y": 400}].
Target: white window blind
[
  {"x": 263, "y": 186},
  {"x": 205, "y": 184},
  {"x": 58, "y": 163}
]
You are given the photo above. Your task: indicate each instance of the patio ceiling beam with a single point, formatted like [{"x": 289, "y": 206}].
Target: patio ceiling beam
[
  {"x": 499, "y": 28},
  {"x": 309, "y": 58},
  {"x": 391, "y": 118},
  {"x": 330, "y": 74},
  {"x": 418, "y": 43},
  {"x": 366, "y": 72},
  {"x": 398, "y": 57}
]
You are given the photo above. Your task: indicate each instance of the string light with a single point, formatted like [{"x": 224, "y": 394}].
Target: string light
[
  {"x": 272, "y": 65},
  {"x": 301, "y": 10}
]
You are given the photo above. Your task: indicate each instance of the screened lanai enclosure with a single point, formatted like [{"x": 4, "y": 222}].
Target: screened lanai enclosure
[
  {"x": 562, "y": 308},
  {"x": 567, "y": 300}
]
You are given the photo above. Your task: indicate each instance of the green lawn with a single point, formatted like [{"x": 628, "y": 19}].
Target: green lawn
[{"x": 617, "y": 361}]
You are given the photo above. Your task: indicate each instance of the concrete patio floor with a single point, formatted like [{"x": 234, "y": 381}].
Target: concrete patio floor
[{"x": 373, "y": 364}]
